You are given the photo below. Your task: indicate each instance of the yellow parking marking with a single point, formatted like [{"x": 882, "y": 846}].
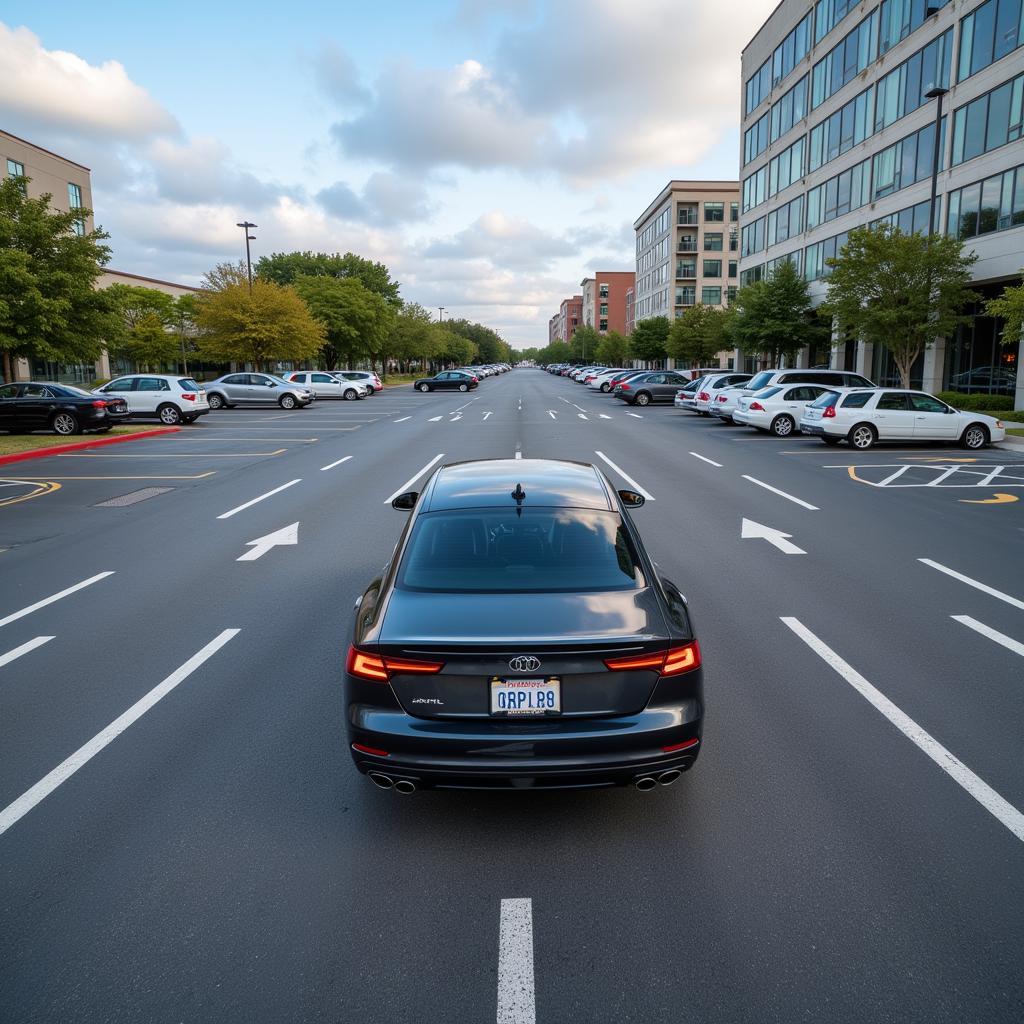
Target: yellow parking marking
[
  {"x": 180, "y": 455},
  {"x": 198, "y": 476},
  {"x": 999, "y": 499},
  {"x": 47, "y": 486},
  {"x": 934, "y": 458}
]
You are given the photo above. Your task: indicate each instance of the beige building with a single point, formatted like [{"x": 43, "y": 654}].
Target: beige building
[{"x": 687, "y": 248}]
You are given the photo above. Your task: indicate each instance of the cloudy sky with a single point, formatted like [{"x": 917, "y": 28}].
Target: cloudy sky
[{"x": 490, "y": 152}]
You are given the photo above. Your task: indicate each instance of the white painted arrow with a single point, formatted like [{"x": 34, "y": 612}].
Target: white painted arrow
[
  {"x": 552, "y": 414},
  {"x": 602, "y": 415},
  {"x": 261, "y": 545},
  {"x": 756, "y": 531}
]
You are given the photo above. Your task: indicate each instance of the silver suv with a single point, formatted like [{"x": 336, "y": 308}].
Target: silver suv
[{"x": 256, "y": 389}]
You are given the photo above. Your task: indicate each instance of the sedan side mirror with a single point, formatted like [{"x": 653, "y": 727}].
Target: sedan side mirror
[
  {"x": 632, "y": 499},
  {"x": 271, "y": 384},
  {"x": 406, "y": 501}
]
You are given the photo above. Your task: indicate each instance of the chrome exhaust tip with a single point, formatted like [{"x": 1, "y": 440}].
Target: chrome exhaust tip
[
  {"x": 667, "y": 778},
  {"x": 380, "y": 780},
  {"x": 405, "y": 786},
  {"x": 645, "y": 783}
]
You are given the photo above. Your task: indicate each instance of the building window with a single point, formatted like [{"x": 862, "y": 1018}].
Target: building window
[
  {"x": 901, "y": 17},
  {"x": 753, "y": 189},
  {"x": 734, "y": 212},
  {"x": 75, "y": 203},
  {"x": 786, "y": 221},
  {"x": 686, "y": 296},
  {"x": 906, "y": 161},
  {"x": 911, "y": 220},
  {"x": 786, "y": 168},
  {"x": 755, "y": 138},
  {"x": 733, "y": 268},
  {"x": 796, "y": 258},
  {"x": 686, "y": 215},
  {"x": 711, "y": 296},
  {"x": 789, "y": 110},
  {"x": 847, "y": 59},
  {"x": 815, "y": 256},
  {"x": 604, "y": 325},
  {"x": 988, "y": 33},
  {"x": 17, "y": 170},
  {"x": 734, "y": 242},
  {"x": 990, "y": 121},
  {"x": 828, "y": 14},
  {"x": 995, "y": 204},
  {"x": 847, "y": 191},
  {"x": 604, "y": 309},
  {"x": 753, "y": 237},
  {"x": 714, "y": 211},
  {"x": 686, "y": 269},
  {"x": 843, "y": 130},
  {"x": 903, "y": 89},
  {"x": 712, "y": 268},
  {"x": 603, "y": 291},
  {"x": 731, "y": 293},
  {"x": 751, "y": 274},
  {"x": 713, "y": 241},
  {"x": 784, "y": 58}
]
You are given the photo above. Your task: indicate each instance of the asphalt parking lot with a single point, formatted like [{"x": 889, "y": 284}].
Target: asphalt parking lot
[{"x": 182, "y": 834}]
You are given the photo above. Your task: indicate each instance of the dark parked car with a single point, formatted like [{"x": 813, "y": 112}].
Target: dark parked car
[
  {"x": 521, "y": 637},
  {"x": 650, "y": 387},
  {"x": 64, "y": 409},
  {"x": 448, "y": 380}
]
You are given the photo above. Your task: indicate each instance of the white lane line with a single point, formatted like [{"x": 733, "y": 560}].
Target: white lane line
[
  {"x": 625, "y": 476},
  {"x": 402, "y": 419},
  {"x": 55, "y": 597},
  {"x": 457, "y": 416},
  {"x": 635, "y": 415},
  {"x": 552, "y": 415},
  {"x": 582, "y": 415},
  {"x": 516, "y": 999},
  {"x": 487, "y": 414},
  {"x": 781, "y": 494},
  {"x": 602, "y": 415},
  {"x": 573, "y": 404},
  {"x": 11, "y": 814},
  {"x": 1001, "y": 809},
  {"x": 434, "y": 419},
  {"x": 6, "y": 659},
  {"x": 979, "y": 627},
  {"x": 331, "y": 465},
  {"x": 408, "y": 483},
  {"x": 963, "y": 579},
  {"x": 262, "y": 497},
  {"x": 710, "y": 462}
]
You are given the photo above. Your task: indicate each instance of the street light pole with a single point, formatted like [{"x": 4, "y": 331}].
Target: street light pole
[
  {"x": 935, "y": 93},
  {"x": 440, "y": 314},
  {"x": 245, "y": 225}
]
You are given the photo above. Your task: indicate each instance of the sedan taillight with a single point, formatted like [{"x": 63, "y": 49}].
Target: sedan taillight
[
  {"x": 380, "y": 670},
  {"x": 757, "y": 406},
  {"x": 703, "y": 397},
  {"x": 99, "y": 404},
  {"x": 666, "y": 663},
  {"x": 829, "y": 412},
  {"x": 625, "y": 387},
  {"x": 722, "y": 398},
  {"x": 188, "y": 396}
]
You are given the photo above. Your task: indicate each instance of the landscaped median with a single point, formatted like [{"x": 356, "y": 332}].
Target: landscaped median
[{"x": 18, "y": 447}]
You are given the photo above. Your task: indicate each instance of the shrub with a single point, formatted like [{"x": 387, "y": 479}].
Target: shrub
[{"x": 977, "y": 401}]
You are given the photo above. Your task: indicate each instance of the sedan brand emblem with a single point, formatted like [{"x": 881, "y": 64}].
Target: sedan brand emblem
[{"x": 524, "y": 663}]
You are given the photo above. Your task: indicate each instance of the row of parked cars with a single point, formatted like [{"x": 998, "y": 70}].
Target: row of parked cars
[
  {"x": 465, "y": 378},
  {"x": 835, "y": 405}
]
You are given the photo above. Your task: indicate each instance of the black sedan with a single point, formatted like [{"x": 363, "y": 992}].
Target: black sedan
[
  {"x": 651, "y": 387},
  {"x": 448, "y": 380},
  {"x": 521, "y": 637},
  {"x": 32, "y": 405}
]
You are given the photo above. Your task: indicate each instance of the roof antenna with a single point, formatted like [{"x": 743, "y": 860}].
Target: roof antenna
[{"x": 519, "y": 494}]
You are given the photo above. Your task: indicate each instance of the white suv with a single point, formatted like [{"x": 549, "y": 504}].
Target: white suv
[{"x": 169, "y": 397}]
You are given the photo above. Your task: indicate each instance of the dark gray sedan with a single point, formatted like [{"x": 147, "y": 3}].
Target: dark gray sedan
[{"x": 660, "y": 386}]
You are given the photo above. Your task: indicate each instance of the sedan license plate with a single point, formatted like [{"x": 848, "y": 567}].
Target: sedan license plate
[{"x": 525, "y": 697}]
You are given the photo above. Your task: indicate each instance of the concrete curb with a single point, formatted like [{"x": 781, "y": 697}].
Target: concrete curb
[{"x": 59, "y": 449}]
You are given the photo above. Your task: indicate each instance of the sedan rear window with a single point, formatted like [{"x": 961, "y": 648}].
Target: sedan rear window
[
  {"x": 543, "y": 550},
  {"x": 856, "y": 401},
  {"x": 760, "y": 380},
  {"x": 187, "y": 384},
  {"x": 768, "y": 392},
  {"x": 826, "y": 401}
]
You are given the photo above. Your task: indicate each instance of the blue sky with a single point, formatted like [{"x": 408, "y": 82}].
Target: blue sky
[{"x": 491, "y": 152}]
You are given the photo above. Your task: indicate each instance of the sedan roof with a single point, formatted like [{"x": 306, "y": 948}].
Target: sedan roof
[{"x": 490, "y": 483}]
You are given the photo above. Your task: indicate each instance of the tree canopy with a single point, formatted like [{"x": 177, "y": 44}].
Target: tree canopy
[
  {"x": 699, "y": 335},
  {"x": 614, "y": 349},
  {"x": 899, "y": 291},
  {"x": 1010, "y": 308},
  {"x": 50, "y": 307},
  {"x": 649, "y": 338},
  {"x": 286, "y": 267},
  {"x": 584, "y": 341},
  {"x": 490, "y": 346}
]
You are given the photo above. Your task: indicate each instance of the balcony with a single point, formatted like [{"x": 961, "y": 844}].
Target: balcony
[
  {"x": 687, "y": 245},
  {"x": 687, "y": 218},
  {"x": 686, "y": 271}
]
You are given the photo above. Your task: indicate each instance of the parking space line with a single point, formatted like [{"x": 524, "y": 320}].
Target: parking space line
[
  {"x": 402, "y": 419},
  {"x": 991, "y": 591},
  {"x": 46, "y": 785},
  {"x": 625, "y": 476},
  {"x": 6, "y": 659},
  {"x": 979, "y": 627},
  {"x": 408, "y": 483},
  {"x": 710, "y": 462},
  {"x": 331, "y": 465},
  {"x": 14, "y": 616},
  {"x": 177, "y": 455},
  {"x": 516, "y": 997},
  {"x": 781, "y": 494},
  {"x": 262, "y": 497},
  {"x": 635, "y": 415},
  {"x": 892, "y": 476},
  {"x": 1001, "y": 809}
]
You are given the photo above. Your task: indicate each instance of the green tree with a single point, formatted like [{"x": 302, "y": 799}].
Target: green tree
[
  {"x": 456, "y": 349},
  {"x": 50, "y": 307},
  {"x": 900, "y": 291},
  {"x": 147, "y": 317},
  {"x": 697, "y": 336},
  {"x": 183, "y": 324},
  {"x": 614, "y": 349},
  {"x": 413, "y": 336},
  {"x": 583, "y": 343},
  {"x": 649, "y": 338},
  {"x": 555, "y": 352},
  {"x": 1009, "y": 307},
  {"x": 271, "y": 324},
  {"x": 287, "y": 267},
  {"x": 224, "y": 275},
  {"x": 775, "y": 316},
  {"x": 490, "y": 346},
  {"x": 356, "y": 321}
]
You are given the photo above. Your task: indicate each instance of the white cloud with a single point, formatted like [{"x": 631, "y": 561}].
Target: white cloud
[
  {"x": 511, "y": 242},
  {"x": 65, "y": 93},
  {"x": 338, "y": 76}
]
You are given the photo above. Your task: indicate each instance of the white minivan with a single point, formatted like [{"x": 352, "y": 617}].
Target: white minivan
[{"x": 169, "y": 397}]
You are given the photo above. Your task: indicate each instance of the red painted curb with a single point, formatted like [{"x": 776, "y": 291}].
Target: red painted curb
[{"x": 58, "y": 449}]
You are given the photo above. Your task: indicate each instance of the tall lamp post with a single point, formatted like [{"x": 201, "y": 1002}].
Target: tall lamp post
[
  {"x": 935, "y": 93},
  {"x": 440, "y": 314},
  {"x": 245, "y": 225}
]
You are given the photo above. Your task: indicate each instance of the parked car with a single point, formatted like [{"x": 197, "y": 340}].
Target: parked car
[
  {"x": 257, "y": 389},
  {"x": 170, "y": 398},
  {"x": 447, "y": 380},
  {"x": 726, "y": 402},
  {"x": 826, "y": 378},
  {"x": 686, "y": 394},
  {"x": 327, "y": 385},
  {"x": 521, "y": 637},
  {"x": 864, "y": 417},
  {"x": 660, "y": 386},
  {"x": 367, "y": 377},
  {"x": 42, "y": 405},
  {"x": 778, "y": 408},
  {"x": 624, "y": 376},
  {"x": 710, "y": 385},
  {"x": 602, "y": 381}
]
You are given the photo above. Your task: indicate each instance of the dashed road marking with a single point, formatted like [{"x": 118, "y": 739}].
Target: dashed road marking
[
  {"x": 402, "y": 419},
  {"x": 338, "y": 462},
  {"x": 635, "y": 415},
  {"x": 14, "y": 616},
  {"x": 625, "y": 476},
  {"x": 782, "y": 494},
  {"x": 983, "y": 587},
  {"x": 6, "y": 659},
  {"x": 516, "y": 996},
  {"x": 262, "y": 497},
  {"x": 710, "y": 462},
  {"x": 408, "y": 483},
  {"x": 987, "y": 631}
]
